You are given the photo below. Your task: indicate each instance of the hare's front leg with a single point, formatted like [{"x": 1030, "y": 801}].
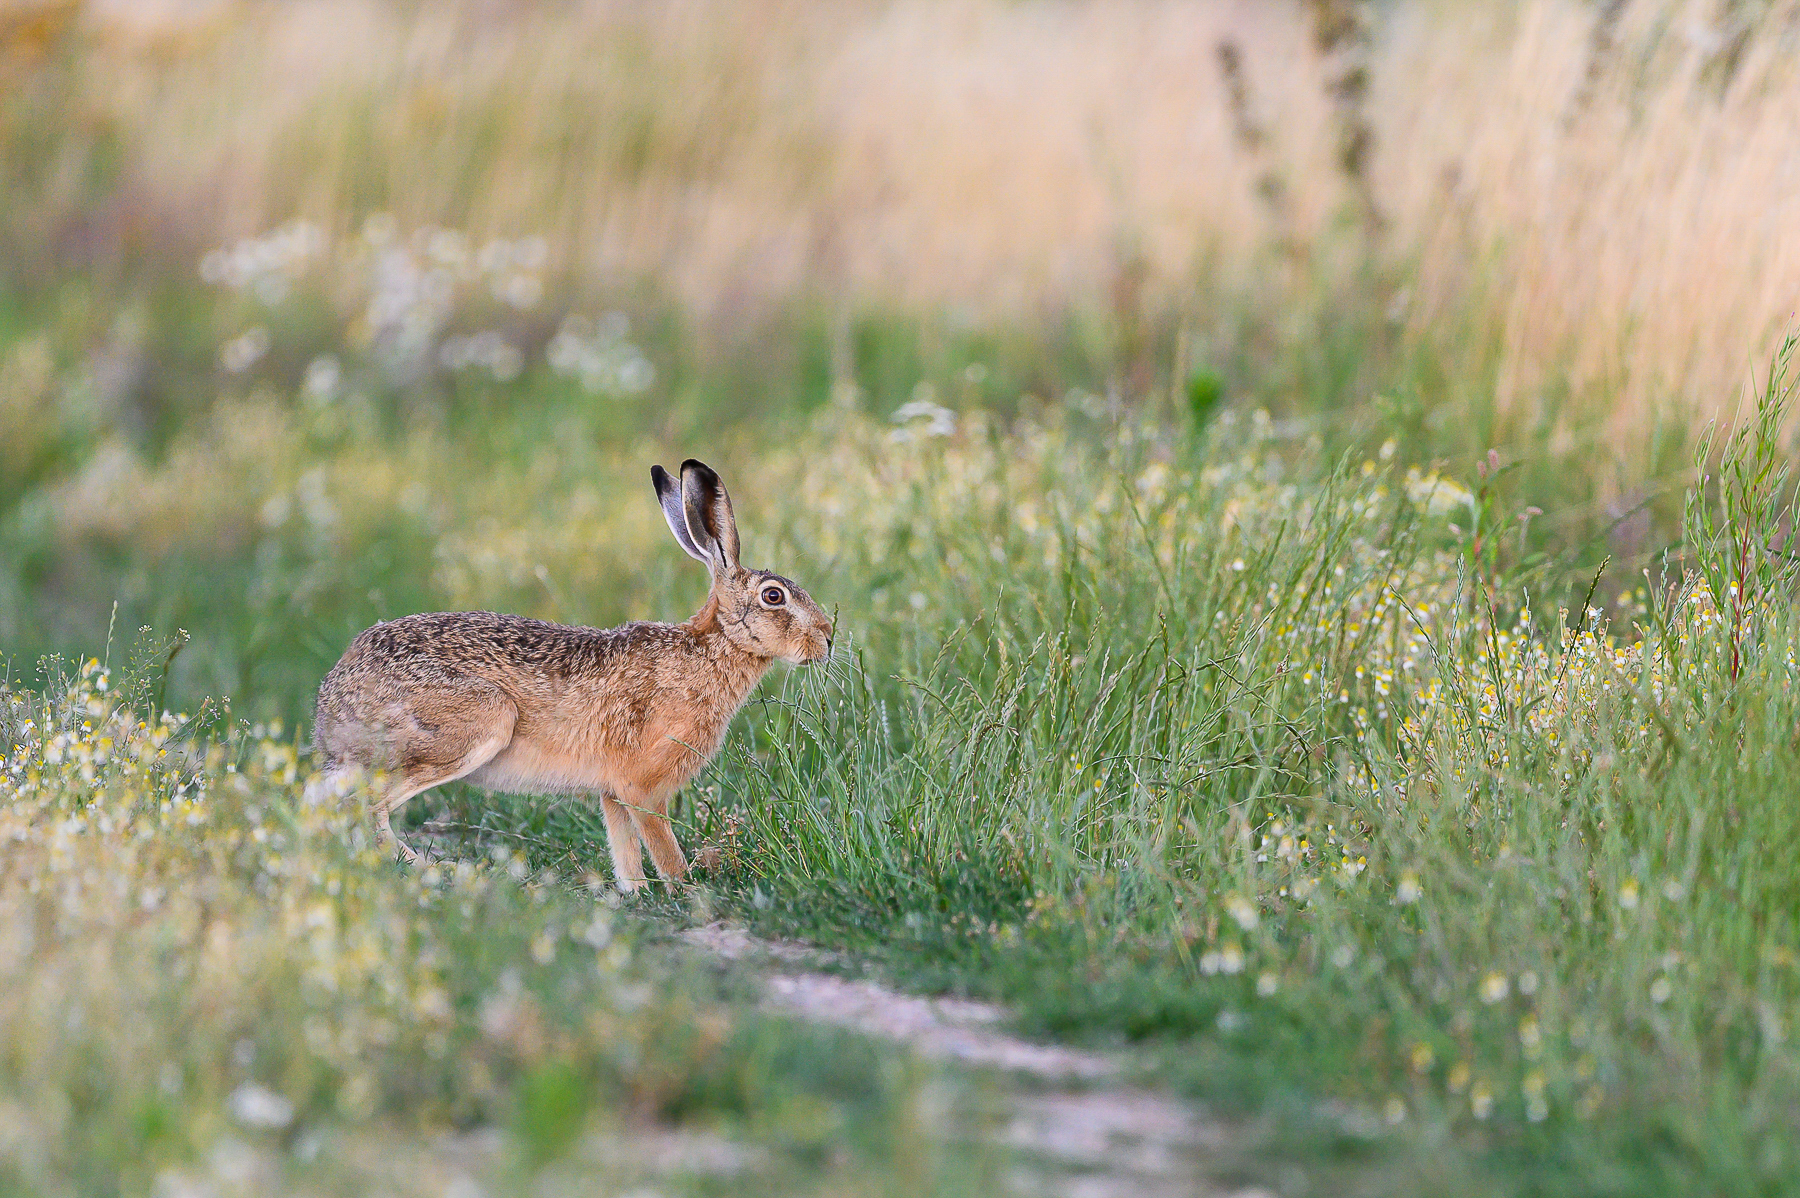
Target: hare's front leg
[
  {"x": 622, "y": 839},
  {"x": 650, "y": 814}
]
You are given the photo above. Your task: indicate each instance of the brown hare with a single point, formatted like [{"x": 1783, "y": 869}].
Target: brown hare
[{"x": 514, "y": 705}]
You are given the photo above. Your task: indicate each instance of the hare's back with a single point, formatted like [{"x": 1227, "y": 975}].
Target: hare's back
[
  {"x": 488, "y": 645},
  {"x": 435, "y": 672}
]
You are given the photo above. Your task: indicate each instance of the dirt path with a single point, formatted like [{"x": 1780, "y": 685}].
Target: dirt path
[{"x": 1078, "y": 1129}]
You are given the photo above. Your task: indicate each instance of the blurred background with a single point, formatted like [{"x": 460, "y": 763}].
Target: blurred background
[{"x": 321, "y": 311}]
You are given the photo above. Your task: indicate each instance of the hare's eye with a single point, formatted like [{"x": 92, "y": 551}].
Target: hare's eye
[{"x": 773, "y": 596}]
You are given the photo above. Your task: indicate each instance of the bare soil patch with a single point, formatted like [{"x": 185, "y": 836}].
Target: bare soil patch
[{"x": 1080, "y": 1129}]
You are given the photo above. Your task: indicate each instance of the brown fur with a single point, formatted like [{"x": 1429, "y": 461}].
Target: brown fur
[{"x": 630, "y": 714}]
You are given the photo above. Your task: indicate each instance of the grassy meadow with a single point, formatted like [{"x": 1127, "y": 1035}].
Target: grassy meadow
[{"x": 1304, "y": 489}]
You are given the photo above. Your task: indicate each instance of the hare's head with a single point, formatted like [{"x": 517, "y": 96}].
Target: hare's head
[{"x": 759, "y": 611}]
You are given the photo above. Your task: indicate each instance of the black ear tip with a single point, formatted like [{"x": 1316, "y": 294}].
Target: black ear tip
[
  {"x": 698, "y": 467},
  {"x": 658, "y": 476}
]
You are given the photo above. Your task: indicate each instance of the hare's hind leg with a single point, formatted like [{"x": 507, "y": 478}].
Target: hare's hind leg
[
  {"x": 402, "y": 790},
  {"x": 413, "y": 783},
  {"x": 474, "y": 729},
  {"x": 622, "y": 839}
]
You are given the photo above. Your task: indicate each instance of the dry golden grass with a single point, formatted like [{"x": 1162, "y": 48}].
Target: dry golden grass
[
  {"x": 1647, "y": 241},
  {"x": 1621, "y": 209}
]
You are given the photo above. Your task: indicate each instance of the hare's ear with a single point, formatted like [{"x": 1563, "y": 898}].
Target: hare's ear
[
  {"x": 668, "y": 494},
  {"x": 709, "y": 517}
]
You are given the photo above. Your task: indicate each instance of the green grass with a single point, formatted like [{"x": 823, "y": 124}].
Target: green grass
[
  {"x": 214, "y": 980},
  {"x": 1286, "y": 676},
  {"x": 1294, "y": 751},
  {"x": 1261, "y": 766}
]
